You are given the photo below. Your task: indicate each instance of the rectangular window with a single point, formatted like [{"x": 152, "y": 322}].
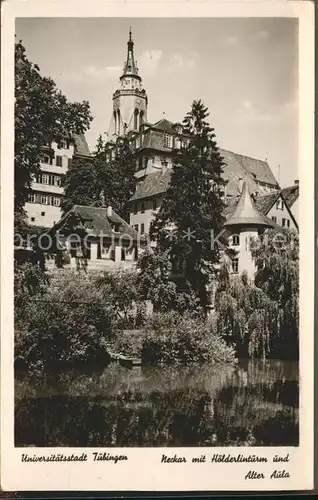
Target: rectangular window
[
  {"x": 142, "y": 228},
  {"x": 142, "y": 207},
  {"x": 167, "y": 141},
  {"x": 62, "y": 144},
  {"x": 32, "y": 219},
  {"x": 154, "y": 204},
  {"x": 56, "y": 201},
  {"x": 235, "y": 265},
  {"x": 69, "y": 163},
  {"x": 56, "y": 180},
  {"x": 31, "y": 198},
  {"x": 274, "y": 219},
  {"x": 44, "y": 199},
  {"x": 280, "y": 204},
  {"x": 136, "y": 227},
  {"x": 45, "y": 179},
  {"x": 135, "y": 208},
  {"x": 58, "y": 161},
  {"x": 42, "y": 214},
  {"x": 236, "y": 240},
  {"x": 283, "y": 222},
  {"x": 47, "y": 160},
  {"x": 288, "y": 222}
]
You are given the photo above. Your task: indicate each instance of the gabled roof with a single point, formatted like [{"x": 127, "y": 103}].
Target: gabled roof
[
  {"x": 80, "y": 144},
  {"x": 154, "y": 184},
  {"x": 236, "y": 165},
  {"x": 251, "y": 169},
  {"x": 97, "y": 221},
  {"x": 165, "y": 125},
  {"x": 245, "y": 212},
  {"x": 265, "y": 202},
  {"x": 291, "y": 194}
]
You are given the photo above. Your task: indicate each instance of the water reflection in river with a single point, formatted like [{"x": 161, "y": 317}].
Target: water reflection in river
[{"x": 252, "y": 404}]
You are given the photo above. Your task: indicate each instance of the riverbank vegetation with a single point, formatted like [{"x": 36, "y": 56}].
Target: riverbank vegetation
[
  {"x": 70, "y": 319},
  {"x": 74, "y": 320}
]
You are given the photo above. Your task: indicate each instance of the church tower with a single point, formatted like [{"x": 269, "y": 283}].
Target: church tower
[{"x": 130, "y": 100}]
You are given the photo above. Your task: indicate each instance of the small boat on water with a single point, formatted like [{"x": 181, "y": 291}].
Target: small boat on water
[{"x": 125, "y": 360}]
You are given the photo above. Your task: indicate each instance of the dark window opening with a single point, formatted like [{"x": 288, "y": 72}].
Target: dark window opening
[
  {"x": 236, "y": 240},
  {"x": 58, "y": 161},
  {"x": 235, "y": 265}
]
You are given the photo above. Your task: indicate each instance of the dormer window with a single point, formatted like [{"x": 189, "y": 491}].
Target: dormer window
[
  {"x": 62, "y": 144},
  {"x": 47, "y": 159}
]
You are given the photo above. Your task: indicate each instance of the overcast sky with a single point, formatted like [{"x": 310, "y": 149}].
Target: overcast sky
[{"x": 245, "y": 70}]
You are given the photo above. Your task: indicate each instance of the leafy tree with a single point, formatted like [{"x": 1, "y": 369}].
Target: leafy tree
[
  {"x": 192, "y": 207},
  {"x": 261, "y": 318},
  {"x": 42, "y": 114},
  {"x": 154, "y": 283},
  {"x": 120, "y": 181},
  {"x": 276, "y": 256},
  {"x": 101, "y": 183},
  {"x": 82, "y": 185},
  {"x": 99, "y": 151}
]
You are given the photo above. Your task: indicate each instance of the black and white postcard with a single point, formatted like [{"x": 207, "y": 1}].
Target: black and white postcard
[{"x": 157, "y": 246}]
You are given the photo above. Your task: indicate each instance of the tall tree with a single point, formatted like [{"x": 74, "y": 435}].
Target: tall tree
[
  {"x": 276, "y": 256},
  {"x": 99, "y": 151},
  {"x": 42, "y": 114},
  {"x": 261, "y": 318},
  {"x": 193, "y": 205},
  {"x": 120, "y": 180},
  {"x": 82, "y": 185},
  {"x": 101, "y": 183}
]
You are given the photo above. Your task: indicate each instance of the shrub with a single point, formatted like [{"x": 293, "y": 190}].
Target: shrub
[
  {"x": 170, "y": 338},
  {"x": 128, "y": 342},
  {"x": 67, "y": 323}
]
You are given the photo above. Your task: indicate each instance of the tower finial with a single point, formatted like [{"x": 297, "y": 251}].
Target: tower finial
[{"x": 130, "y": 67}]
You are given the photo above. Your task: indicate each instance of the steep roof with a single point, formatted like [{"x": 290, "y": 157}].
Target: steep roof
[
  {"x": 265, "y": 202},
  {"x": 154, "y": 184},
  {"x": 291, "y": 194},
  {"x": 97, "y": 221},
  {"x": 251, "y": 169},
  {"x": 81, "y": 146},
  {"x": 130, "y": 68},
  {"x": 236, "y": 165},
  {"x": 165, "y": 125},
  {"x": 245, "y": 212}
]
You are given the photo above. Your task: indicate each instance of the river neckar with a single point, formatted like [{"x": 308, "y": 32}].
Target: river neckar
[{"x": 254, "y": 403}]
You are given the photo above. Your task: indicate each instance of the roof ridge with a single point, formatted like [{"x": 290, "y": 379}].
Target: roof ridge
[{"x": 244, "y": 155}]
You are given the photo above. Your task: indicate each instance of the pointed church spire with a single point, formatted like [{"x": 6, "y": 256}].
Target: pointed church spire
[
  {"x": 246, "y": 213},
  {"x": 130, "y": 68}
]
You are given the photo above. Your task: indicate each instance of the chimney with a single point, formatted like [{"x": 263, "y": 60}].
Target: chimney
[
  {"x": 109, "y": 211},
  {"x": 296, "y": 182},
  {"x": 240, "y": 185}
]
